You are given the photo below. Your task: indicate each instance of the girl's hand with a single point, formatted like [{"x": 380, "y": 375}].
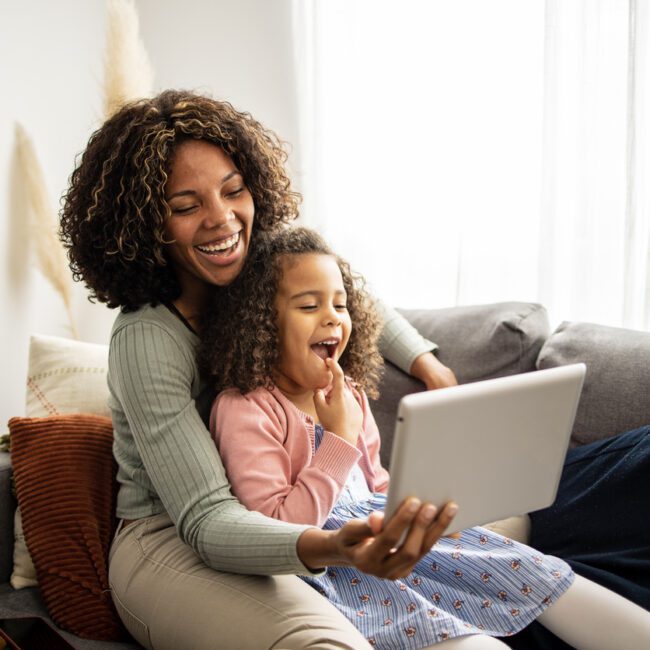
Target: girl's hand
[
  {"x": 339, "y": 412},
  {"x": 371, "y": 549}
]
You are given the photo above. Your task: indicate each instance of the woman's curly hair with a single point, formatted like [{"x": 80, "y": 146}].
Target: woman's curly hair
[
  {"x": 239, "y": 332},
  {"x": 114, "y": 212}
]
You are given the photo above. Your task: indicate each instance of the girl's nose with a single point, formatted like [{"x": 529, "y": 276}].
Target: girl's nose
[{"x": 331, "y": 316}]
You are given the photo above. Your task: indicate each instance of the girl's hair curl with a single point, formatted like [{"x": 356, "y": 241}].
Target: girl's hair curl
[
  {"x": 239, "y": 333},
  {"x": 114, "y": 212}
]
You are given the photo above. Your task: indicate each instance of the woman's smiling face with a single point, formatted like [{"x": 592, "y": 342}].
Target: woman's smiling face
[
  {"x": 313, "y": 321},
  {"x": 212, "y": 217}
]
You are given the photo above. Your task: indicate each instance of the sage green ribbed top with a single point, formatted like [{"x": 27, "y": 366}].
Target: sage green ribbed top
[{"x": 167, "y": 460}]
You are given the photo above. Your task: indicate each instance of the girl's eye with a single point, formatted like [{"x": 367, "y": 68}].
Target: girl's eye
[
  {"x": 340, "y": 307},
  {"x": 307, "y": 307}
]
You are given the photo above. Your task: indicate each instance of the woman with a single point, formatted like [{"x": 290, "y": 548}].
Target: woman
[{"x": 161, "y": 209}]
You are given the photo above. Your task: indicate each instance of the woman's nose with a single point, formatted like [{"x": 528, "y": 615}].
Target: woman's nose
[{"x": 217, "y": 213}]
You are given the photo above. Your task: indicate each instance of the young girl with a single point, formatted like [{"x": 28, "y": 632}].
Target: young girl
[{"x": 291, "y": 345}]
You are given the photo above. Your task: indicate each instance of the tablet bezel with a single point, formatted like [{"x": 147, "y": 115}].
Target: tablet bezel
[{"x": 495, "y": 447}]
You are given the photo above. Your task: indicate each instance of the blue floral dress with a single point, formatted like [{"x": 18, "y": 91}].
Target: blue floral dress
[{"x": 482, "y": 583}]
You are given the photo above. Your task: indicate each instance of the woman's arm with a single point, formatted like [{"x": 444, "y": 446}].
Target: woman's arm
[
  {"x": 433, "y": 374},
  {"x": 403, "y": 345},
  {"x": 375, "y": 549},
  {"x": 151, "y": 376}
]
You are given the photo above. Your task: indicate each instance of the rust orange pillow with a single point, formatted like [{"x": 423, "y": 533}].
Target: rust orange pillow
[{"x": 65, "y": 481}]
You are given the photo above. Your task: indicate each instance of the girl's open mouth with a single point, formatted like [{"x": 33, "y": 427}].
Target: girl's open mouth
[{"x": 325, "y": 349}]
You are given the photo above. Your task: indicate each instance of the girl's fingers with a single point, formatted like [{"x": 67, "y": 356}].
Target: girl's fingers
[
  {"x": 338, "y": 378},
  {"x": 319, "y": 400}
]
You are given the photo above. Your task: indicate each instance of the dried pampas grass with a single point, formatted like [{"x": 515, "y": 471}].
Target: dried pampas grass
[
  {"x": 49, "y": 251},
  {"x": 128, "y": 72}
]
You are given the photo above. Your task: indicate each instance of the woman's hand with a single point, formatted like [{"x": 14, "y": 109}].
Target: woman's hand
[
  {"x": 339, "y": 412},
  {"x": 433, "y": 374},
  {"x": 372, "y": 548}
]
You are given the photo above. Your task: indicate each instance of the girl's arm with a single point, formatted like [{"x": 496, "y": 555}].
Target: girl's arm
[
  {"x": 262, "y": 448},
  {"x": 403, "y": 345}
]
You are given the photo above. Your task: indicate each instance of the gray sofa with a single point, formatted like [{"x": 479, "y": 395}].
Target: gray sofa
[{"x": 477, "y": 342}]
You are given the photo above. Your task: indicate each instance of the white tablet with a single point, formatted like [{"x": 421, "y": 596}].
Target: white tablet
[{"x": 495, "y": 447}]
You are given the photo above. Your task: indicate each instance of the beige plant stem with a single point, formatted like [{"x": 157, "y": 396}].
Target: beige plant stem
[
  {"x": 49, "y": 252},
  {"x": 128, "y": 72}
]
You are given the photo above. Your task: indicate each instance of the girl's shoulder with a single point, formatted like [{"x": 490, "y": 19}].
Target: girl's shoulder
[
  {"x": 260, "y": 398},
  {"x": 234, "y": 395},
  {"x": 266, "y": 404}
]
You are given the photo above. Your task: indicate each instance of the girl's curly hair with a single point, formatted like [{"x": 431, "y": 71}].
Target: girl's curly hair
[
  {"x": 114, "y": 212},
  {"x": 239, "y": 332}
]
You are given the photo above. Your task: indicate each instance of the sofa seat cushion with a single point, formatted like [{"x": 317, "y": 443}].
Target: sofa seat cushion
[{"x": 28, "y": 602}]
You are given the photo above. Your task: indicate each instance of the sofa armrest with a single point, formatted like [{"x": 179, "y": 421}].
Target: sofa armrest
[
  {"x": 7, "y": 508},
  {"x": 615, "y": 396},
  {"x": 476, "y": 342}
]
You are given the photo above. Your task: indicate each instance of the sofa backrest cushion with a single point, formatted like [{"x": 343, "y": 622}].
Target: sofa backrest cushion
[
  {"x": 616, "y": 393},
  {"x": 476, "y": 342}
]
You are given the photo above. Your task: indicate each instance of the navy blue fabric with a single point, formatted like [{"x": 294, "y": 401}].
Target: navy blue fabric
[{"x": 599, "y": 523}]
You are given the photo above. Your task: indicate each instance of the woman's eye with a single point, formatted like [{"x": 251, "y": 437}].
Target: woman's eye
[
  {"x": 235, "y": 193},
  {"x": 183, "y": 210}
]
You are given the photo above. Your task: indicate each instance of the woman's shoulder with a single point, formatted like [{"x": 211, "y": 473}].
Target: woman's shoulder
[
  {"x": 148, "y": 318},
  {"x": 154, "y": 340}
]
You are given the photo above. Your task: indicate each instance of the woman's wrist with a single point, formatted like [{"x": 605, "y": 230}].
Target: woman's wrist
[
  {"x": 431, "y": 372},
  {"x": 317, "y": 548}
]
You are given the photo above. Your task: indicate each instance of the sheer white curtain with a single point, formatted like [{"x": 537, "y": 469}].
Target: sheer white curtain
[
  {"x": 470, "y": 152},
  {"x": 595, "y": 226}
]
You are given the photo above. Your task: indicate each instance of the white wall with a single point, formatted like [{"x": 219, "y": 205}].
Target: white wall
[
  {"x": 51, "y": 72},
  {"x": 239, "y": 51}
]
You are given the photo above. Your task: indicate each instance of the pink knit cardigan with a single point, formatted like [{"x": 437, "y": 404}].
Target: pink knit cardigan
[{"x": 267, "y": 446}]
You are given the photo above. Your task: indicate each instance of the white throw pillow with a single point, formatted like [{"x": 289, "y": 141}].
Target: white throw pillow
[
  {"x": 66, "y": 376},
  {"x": 63, "y": 376}
]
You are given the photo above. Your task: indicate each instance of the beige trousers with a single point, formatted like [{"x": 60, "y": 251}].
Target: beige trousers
[{"x": 169, "y": 599}]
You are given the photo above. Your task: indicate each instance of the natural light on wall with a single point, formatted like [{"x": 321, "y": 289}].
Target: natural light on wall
[{"x": 469, "y": 151}]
